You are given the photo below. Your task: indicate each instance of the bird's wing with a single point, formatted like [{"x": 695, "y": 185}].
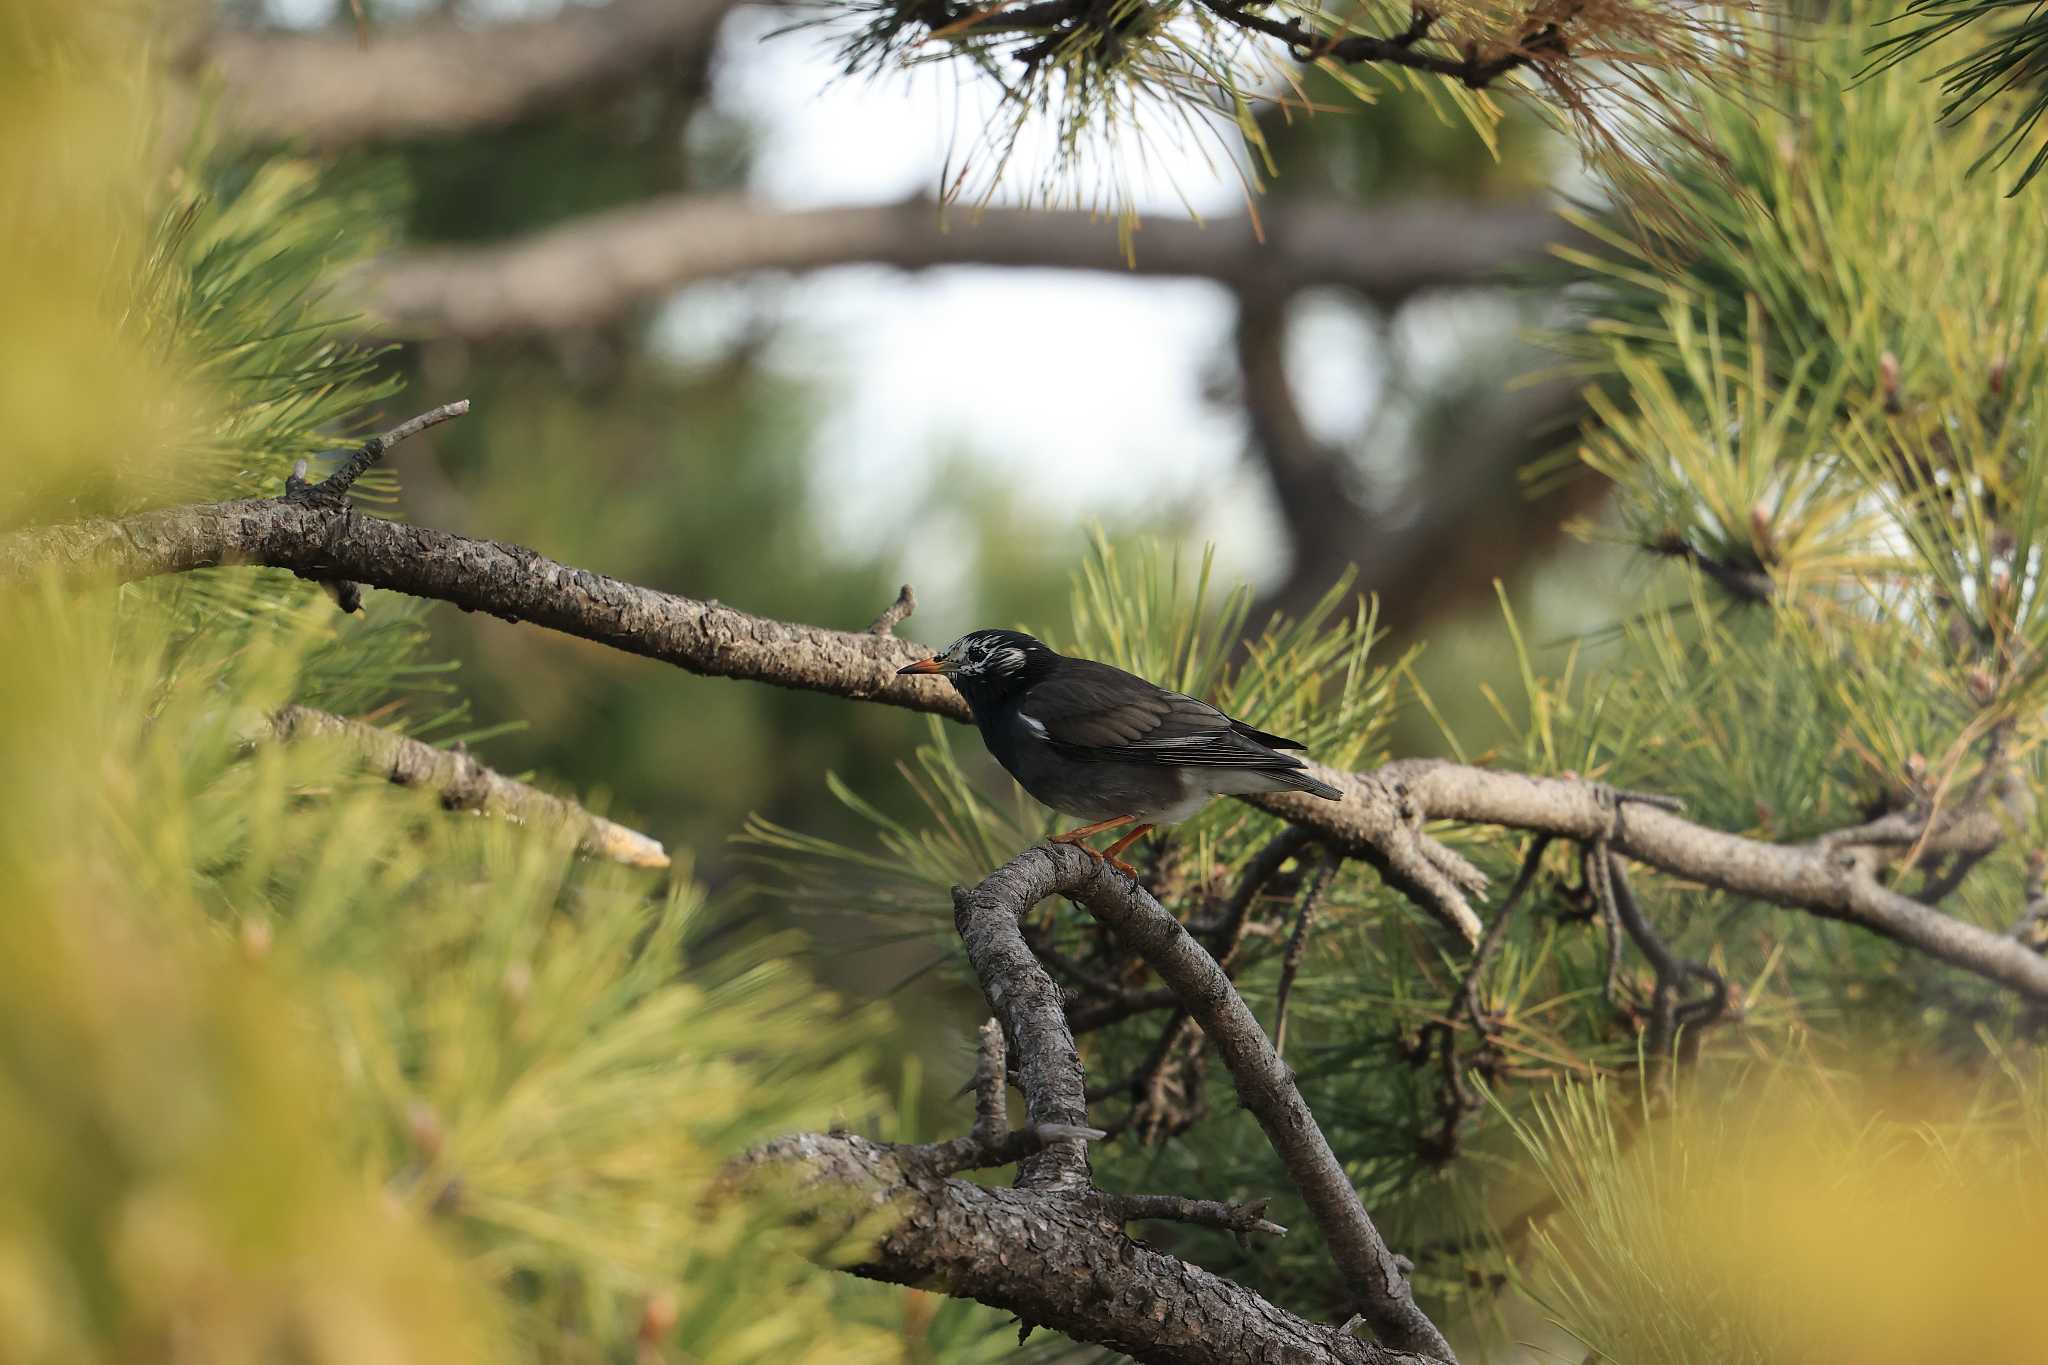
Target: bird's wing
[{"x": 1092, "y": 711}]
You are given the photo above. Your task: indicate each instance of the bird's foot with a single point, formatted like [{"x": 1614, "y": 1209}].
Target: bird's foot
[
  {"x": 1118, "y": 863},
  {"x": 1086, "y": 848},
  {"x": 1075, "y": 836}
]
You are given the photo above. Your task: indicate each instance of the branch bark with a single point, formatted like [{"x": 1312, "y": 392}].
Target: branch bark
[
  {"x": 334, "y": 90},
  {"x": 467, "y": 785},
  {"x": 1380, "y": 818},
  {"x": 1052, "y": 1250},
  {"x": 1368, "y": 1267},
  {"x": 1054, "y": 1260},
  {"x": 1027, "y": 1002},
  {"x": 597, "y": 268}
]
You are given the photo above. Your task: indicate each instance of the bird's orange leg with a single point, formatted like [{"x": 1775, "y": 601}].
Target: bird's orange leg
[
  {"x": 1109, "y": 854},
  {"x": 1077, "y": 836}
]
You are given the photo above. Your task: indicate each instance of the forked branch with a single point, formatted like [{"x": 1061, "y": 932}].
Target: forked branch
[{"x": 1052, "y": 1249}]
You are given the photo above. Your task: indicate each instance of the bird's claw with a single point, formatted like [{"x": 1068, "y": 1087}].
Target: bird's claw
[{"x": 1097, "y": 854}]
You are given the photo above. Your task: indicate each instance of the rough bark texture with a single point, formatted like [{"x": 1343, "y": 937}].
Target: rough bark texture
[
  {"x": 1057, "y": 1260},
  {"x": 334, "y": 90},
  {"x": 597, "y": 268},
  {"x": 1379, "y": 819},
  {"x": 507, "y": 581},
  {"x": 1264, "y": 1084},
  {"x": 1052, "y": 1250},
  {"x": 1029, "y": 1006},
  {"x": 465, "y": 784}
]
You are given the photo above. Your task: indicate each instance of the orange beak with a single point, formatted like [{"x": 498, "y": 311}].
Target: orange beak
[{"x": 922, "y": 666}]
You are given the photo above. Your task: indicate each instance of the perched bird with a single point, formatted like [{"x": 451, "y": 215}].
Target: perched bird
[{"x": 1102, "y": 744}]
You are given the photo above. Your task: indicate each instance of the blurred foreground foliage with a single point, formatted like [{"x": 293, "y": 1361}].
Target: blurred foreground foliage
[
  {"x": 294, "y": 1063},
  {"x": 1801, "y": 1209}
]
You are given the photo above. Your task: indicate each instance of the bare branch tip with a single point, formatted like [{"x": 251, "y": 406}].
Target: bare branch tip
[{"x": 896, "y": 613}]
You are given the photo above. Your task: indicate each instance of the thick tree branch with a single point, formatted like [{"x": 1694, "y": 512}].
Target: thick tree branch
[
  {"x": 1838, "y": 883},
  {"x": 1052, "y": 1249},
  {"x": 1057, "y": 1260},
  {"x": 467, "y": 785},
  {"x": 333, "y": 90},
  {"x": 1380, "y": 817},
  {"x": 1034, "y": 1023},
  {"x": 1371, "y": 1272},
  {"x": 597, "y": 268},
  {"x": 508, "y": 581}
]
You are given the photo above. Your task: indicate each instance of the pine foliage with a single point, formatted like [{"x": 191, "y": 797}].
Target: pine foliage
[
  {"x": 1819, "y": 396},
  {"x": 293, "y": 1062}
]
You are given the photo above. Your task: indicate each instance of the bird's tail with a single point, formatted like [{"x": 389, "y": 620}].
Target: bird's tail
[{"x": 1301, "y": 781}]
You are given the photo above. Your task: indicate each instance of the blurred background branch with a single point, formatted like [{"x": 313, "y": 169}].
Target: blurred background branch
[
  {"x": 606, "y": 267},
  {"x": 439, "y": 78}
]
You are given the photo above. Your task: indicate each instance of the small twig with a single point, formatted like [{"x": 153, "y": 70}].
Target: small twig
[
  {"x": 1594, "y": 868},
  {"x": 1466, "y": 999},
  {"x": 335, "y": 486},
  {"x": 1424, "y": 870},
  {"x": 2031, "y": 928},
  {"x": 1398, "y": 49},
  {"x": 1263, "y": 867},
  {"x": 1668, "y": 1013},
  {"x": 1454, "y": 1098},
  {"x": 1297, "y": 949},
  {"x": 972, "y": 1153},
  {"x": 1209, "y": 1213},
  {"x": 1740, "y": 582},
  {"x": 1938, "y": 887},
  {"x": 1087, "y": 1017},
  {"x": 896, "y": 613},
  {"x": 1151, "y": 1114}
]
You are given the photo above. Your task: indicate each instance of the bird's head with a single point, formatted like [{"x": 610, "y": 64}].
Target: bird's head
[{"x": 988, "y": 661}]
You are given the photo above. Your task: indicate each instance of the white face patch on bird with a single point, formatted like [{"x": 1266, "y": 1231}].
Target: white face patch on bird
[
  {"x": 984, "y": 656},
  {"x": 981, "y": 655}
]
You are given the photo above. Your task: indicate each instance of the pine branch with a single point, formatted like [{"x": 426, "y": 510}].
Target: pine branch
[
  {"x": 467, "y": 785},
  {"x": 1401, "y": 49},
  {"x": 1052, "y": 1249},
  {"x": 1297, "y": 950},
  {"x": 1381, "y": 818},
  {"x": 1369, "y": 1270},
  {"x": 1027, "y": 1002},
  {"x": 1055, "y": 1260},
  {"x": 332, "y": 91}
]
